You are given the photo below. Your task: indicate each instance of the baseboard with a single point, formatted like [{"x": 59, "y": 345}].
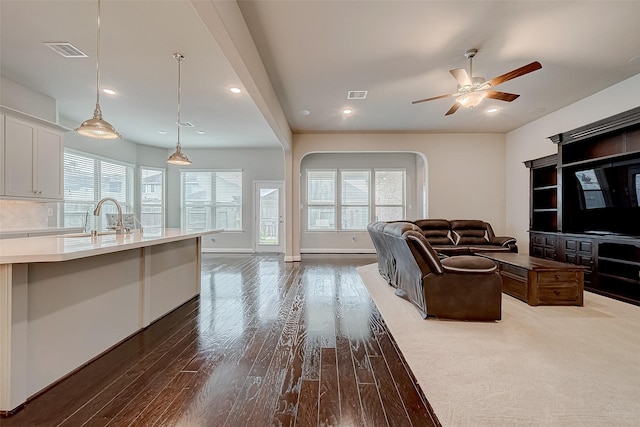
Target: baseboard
[
  {"x": 296, "y": 258},
  {"x": 226, "y": 251},
  {"x": 337, "y": 251}
]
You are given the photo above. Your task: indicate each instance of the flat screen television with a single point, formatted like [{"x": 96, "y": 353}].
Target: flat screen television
[{"x": 608, "y": 198}]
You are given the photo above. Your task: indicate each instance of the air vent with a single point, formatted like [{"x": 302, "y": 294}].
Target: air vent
[
  {"x": 357, "y": 94},
  {"x": 185, "y": 124},
  {"x": 66, "y": 49}
]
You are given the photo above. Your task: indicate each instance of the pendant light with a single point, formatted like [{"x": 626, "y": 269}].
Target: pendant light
[
  {"x": 96, "y": 127},
  {"x": 178, "y": 158}
]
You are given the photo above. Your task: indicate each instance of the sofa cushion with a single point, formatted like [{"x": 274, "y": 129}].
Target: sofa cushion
[
  {"x": 468, "y": 264},
  {"x": 469, "y": 232},
  {"x": 436, "y": 231}
]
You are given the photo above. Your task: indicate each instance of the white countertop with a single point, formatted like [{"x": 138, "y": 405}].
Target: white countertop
[
  {"x": 65, "y": 247},
  {"x": 35, "y": 231}
]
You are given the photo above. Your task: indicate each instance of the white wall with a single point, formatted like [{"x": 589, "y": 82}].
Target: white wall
[
  {"x": 530, "y": 142},
  {"x": 466, "y": 172},
  {"x": 256, "y": 164}
]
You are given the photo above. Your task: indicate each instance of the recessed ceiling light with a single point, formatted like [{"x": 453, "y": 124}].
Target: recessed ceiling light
[
  {"x": 304, "y": 112},
  {"x": 347, "y": 111},
  {"x": 493, "y": 110},
  {"x": 162, "y": 132},
  {"x": 109, "y": 91},
  {"x": 235, "y": 90},
  {"x": 200, "y": 132}
]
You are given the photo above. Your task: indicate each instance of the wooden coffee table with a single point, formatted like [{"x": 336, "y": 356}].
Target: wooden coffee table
[{"x": 538, "y": 281}]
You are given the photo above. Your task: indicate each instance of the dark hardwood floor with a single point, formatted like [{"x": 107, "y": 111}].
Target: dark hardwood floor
[{"x": 266, "y": 343}]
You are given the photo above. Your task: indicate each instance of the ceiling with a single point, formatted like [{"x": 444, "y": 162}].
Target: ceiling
[{"x": 313, "y": 53}]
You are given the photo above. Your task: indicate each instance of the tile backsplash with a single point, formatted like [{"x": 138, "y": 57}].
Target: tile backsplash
[{"x": 24, "y": 215}]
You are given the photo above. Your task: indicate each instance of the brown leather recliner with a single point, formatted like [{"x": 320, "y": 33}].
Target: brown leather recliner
[{"x": 461, "y": 287}]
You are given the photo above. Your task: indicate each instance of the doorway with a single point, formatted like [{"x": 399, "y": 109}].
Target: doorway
[{"x": 269, "y": 219}]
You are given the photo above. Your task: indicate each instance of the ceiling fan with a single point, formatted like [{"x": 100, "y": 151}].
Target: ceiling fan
[{"x": 472, "y": 90}]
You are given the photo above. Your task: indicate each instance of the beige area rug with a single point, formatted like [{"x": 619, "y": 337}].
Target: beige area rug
[{"x": 538, "y": 366}]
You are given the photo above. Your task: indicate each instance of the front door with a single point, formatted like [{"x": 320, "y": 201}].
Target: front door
[{"x": 268, "y": 208}]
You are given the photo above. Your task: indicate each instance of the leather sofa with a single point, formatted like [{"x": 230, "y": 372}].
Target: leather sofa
[
  {"x": 464, "y": 237},
  {"x": 461, "y": 287}
]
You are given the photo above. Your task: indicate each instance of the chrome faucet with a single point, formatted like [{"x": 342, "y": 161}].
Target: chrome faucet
[{"x": 119, "y": 228}]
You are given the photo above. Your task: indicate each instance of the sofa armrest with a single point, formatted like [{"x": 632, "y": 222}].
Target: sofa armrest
[{"x": 503, "y": 241}]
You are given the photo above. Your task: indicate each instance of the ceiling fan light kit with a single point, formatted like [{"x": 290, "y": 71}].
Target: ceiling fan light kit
[
  {"x": 96, "y": 127},
  {"x": 471, "y": 99},
  {"x": 471, "y": 91}
]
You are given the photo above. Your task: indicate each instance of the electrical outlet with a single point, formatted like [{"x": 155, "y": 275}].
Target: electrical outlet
[{"x": 50, "y": 212}]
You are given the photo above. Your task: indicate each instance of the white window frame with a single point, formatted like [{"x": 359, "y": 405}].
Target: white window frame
[
  {"x": 210, "y": 207},
  {"x": 323, "y": 203},
  {"x": 127, "y": 205},
  {"x": 161, "y": 205},
  {"x": 402, "y": 205},
  {"x": 338, "y": 203},
  {"x": 346, "y": 204}
]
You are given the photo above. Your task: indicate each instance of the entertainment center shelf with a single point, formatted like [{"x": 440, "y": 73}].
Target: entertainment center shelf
[{"x": 585, "y": 204}]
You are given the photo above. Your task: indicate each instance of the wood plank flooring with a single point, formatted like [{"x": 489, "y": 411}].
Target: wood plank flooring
[{"x": 266, "y": 343}]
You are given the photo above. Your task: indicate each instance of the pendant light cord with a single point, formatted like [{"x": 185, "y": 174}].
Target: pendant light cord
[
  {"x": 98, "y": 62},
  {"x": 179, "y": 58}
]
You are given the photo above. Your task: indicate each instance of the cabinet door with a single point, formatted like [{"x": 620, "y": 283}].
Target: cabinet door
[
  {"x": 19, "y": 174},
  {"x": 2, "y": 154},
  {"x": 48, "y": 161}
]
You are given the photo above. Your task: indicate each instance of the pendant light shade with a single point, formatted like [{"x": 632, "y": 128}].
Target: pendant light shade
[
  {"x": 96, "y": 127},
  {"x": 178, "y": 157}
]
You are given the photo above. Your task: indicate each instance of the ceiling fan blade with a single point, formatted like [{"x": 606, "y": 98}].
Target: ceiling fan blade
[
  {"x": 461, "y": 76},
  {"x": 435, "y": 97},
  {"x": 502, "y": 96},
  {"x": 515, "y": 73},
  {"x": 453, "y": 109}
]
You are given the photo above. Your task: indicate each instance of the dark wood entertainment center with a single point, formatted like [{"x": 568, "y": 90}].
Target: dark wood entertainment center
[{"x": 585, "y": 204}]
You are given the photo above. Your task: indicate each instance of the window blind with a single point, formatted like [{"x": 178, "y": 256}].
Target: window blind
[
  {"x": 211, "y": 199},
  {"x": 152, "y": 197},
  {"x": 87, "y": 180}
]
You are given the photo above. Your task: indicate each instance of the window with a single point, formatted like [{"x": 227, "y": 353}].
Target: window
[
  {"x": 87, "y": 180},
  {"x": 389, "y": 194},
  {"x": 321, "y": 199},
  {"x": 357, "y": 203},
  {"x": 152, "y": 197},
  {"x": 211, "y": 199},
  {"x": 354, "y": 186}
]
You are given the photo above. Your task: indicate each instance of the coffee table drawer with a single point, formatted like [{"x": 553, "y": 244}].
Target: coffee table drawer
[
  {"x": 560, "y": 295},
  {"x": 557, "y": 276}
]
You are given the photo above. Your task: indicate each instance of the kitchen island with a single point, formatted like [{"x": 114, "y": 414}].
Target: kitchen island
[{"x": 66, "y": 299}]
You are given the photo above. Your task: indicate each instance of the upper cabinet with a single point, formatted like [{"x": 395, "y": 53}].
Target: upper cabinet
[
  {"x": 2, "y": 154},
  {"x": 33, "y": 156}
]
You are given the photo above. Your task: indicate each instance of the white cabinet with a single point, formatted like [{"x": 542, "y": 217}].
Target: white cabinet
[
  {"x": 32, "y": 160},
  {"x": 2, "y": 154}
]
